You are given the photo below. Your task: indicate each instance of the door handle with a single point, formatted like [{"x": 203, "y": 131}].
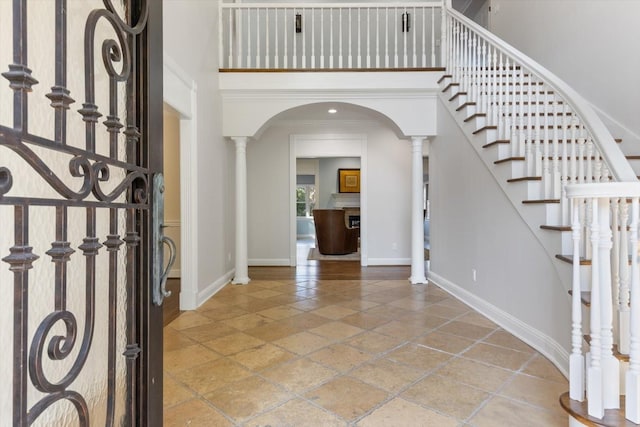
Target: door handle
[{"x": 160, "y": 272}]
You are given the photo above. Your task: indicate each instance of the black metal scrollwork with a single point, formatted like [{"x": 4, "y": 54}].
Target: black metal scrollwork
[
  {"x": 106, "y": 178},
  {"x": 6, "y": 181}
]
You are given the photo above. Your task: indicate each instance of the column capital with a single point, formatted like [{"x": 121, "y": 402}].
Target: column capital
[{"x": 240, "y": 141}]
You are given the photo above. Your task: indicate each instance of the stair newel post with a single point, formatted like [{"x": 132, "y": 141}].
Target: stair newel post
[
  {"x": 594, "y": 372},
  {"x": 623, "y": 278},
  {"x": 610, "y": 365},
  {"x": 576, "y": 360},
  {"x": 632, "y": 389}
]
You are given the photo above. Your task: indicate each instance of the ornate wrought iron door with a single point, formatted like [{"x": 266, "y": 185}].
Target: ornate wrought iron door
[{"x": 80, "y": 142}]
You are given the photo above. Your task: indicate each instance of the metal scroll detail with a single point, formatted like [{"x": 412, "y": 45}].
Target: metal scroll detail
[{"x": 64, "y": 338}]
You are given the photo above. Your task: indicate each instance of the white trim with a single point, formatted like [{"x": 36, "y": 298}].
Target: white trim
[
  {"x": 544, "y": 344},
  {"x": 269, "y": 262},
  {"x": 317, "y": 145},
  {"x": 213, "y": 288},
  {"x": 390, "y": 261},
  {"x": 180, "y": 92}
]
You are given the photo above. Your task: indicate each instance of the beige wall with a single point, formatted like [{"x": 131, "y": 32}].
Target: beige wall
[{"x": 171, "y": 169}]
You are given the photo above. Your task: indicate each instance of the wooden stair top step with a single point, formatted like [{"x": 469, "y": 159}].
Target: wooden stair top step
[
  {"x": 457, "y": 95},
  {"x": 578, "y": 410}
]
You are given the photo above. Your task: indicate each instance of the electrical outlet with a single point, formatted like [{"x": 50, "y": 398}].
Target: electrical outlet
[{"x": 474, "y": 274}]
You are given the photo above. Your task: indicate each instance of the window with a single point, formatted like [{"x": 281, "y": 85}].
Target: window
[
  {"x": 305, "y": 199},
  {"x": 305, "y": 195}
]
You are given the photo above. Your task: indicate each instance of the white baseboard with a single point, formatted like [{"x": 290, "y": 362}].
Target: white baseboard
[
  {"x": 389, "y": 261},
  {"x": 213, "y": 288},
  {"x": 269, "y": 262},
  {"x": 544, "y": 344}
]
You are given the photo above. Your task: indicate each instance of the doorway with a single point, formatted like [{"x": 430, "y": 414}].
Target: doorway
[
  {"x": 330, "y": 152},
  {"x": 172, "y": 214}
]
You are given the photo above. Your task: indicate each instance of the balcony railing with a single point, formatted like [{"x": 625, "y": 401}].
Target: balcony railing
[{"x": 329, "y": 36}]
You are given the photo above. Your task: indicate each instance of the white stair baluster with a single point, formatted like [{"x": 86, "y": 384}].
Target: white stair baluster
[
  {"x": 424, "y": 41},
  {"x": 230, "y": 59},
  {"x": 632, "y": 389},
  {"x": 359, "y": 39},
  {"x": 350, "y": 52},
  {"x": 576, "y": 360},
  {"x": 386, "y": 37},
  {"x": 275, "y": 45},
  {"x": 331, "y": 29},
  {"x": 313, "y": 38},
  {"x": 623, "y": 278},
  {"x": 304, "y": 40},
  {"x": 546, "y": 174},
  {"x": 368, "y": 37},
  {"x": 340, "y": 58},
  {"x": 395, "y": 39},
  {"x": 414, "y": 56},
  {"x": 594, "y": 371},
  {"x": 249, "y": 43},
  {"x": 433, "y": 35},
  {"x": 285, "y": 41},
  {"x": 322, "y": 38}
]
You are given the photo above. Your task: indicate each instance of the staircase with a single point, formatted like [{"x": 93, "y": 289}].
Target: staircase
[{"x": 570, "y": 181}]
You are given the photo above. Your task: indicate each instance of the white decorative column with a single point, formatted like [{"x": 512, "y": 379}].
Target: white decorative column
[
  {"x": 242, "y": 267},
  {"x": 417, "y": 212}
]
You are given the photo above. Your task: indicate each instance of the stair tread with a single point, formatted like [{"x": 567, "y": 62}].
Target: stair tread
[
  {"x": 449, "y": 86},
  {"x": 541, "y": 201},
  {"x": 556, "y": 227},
  {"x": 579, "y": 411},
  {"x": 496, "y": 142},
  {"x": 569, "y": 259},
  {"x": 444, "y": 76},
  {"x": 466, "y": 104},
  {"x": 482, "y": 129},
  {"x": 621, "y": 357},
  {"x": 525, "y": 178},
  {"x": 585, "y": 297},
  {"x": 473, "y": 116},
  {"x": 509, "y": 159},
  {"x": 457, "y": 95}
]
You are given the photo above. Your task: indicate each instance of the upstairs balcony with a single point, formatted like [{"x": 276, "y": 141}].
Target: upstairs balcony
[{"x": 331, "y": 36}]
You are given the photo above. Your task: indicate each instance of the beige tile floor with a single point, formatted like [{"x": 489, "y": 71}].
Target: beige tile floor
[{"x": 351, "y": 353}]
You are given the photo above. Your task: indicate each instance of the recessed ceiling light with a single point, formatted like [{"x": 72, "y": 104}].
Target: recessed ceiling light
[{"x": 332, "y": 111}]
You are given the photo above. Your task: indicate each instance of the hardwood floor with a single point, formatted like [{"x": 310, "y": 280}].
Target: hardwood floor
[
  {"x": 171, "y": 304},
  {"x": 331, "y": 270}
]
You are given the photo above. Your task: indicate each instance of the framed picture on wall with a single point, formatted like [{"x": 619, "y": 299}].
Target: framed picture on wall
[{"x": 349, "y": 180}]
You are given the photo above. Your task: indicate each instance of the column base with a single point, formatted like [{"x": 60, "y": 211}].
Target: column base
[
  {"x": 240, "y": 281},
  {"x": 418, "y": 280}
]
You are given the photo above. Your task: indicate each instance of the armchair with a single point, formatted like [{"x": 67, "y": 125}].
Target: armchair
[{"x": 332, "y": 234}]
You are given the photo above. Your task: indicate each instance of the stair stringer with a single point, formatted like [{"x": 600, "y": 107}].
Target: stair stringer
[{"x": 533, "y": 215}]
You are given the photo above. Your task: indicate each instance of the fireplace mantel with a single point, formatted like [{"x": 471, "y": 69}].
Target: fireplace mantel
[{"x": 344, "y": 200}]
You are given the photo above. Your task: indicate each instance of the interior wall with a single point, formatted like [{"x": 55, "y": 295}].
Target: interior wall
[
  {"x": 171, "y": 171},
  {"x": 474, "y": 226},
  {"x": 593, "y": 49},
  {"x": 329, "y": 177},
  {"x": 214, "y": 155},
  {"x": 389, "y": 163}
]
